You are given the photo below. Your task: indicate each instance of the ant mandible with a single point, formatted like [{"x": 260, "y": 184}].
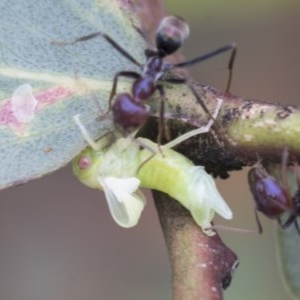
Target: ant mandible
[
  {"x": 129, "y": 109},
  {"x": 272, "y": 197}
]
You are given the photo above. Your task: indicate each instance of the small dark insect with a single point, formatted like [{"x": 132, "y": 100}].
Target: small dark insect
[
  {"x": 226, "y": 280},
  {"x": 129, "y": 109},
  {"x": 273, "y": 197}
]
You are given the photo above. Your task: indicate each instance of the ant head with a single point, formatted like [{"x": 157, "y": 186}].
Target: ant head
[{"x": 171, "y": 34}]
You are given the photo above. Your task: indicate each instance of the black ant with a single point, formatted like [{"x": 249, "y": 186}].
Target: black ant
[
  {"x": 129, "y": 109},
  {"x": 272, "y": 197}
]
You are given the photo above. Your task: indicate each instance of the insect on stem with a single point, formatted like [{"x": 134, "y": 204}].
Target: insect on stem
[
  {"x": 273, "y": 197},
  {"x": 129, "y": 110}
]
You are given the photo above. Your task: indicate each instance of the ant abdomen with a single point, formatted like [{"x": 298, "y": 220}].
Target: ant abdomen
[
  {"x": 171, "y": 34},
  {"x": 271, "y": 198}
]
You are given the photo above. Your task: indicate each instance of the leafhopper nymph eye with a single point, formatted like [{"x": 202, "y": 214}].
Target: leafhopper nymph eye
[
  {"x": 112, "y": 169},
  {"x": 116, "y": 170}
]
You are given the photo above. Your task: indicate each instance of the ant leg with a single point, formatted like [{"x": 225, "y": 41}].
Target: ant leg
[
  {"x": 231, "y": 47},
  {"x": 186, "y": 82},
  {"x": 230, "y": 68},
  {"x": 152, "y": 151},
  {"x": 144, "y": 35},
  {"x": 107, "y": 38},
  {"x": 162, "y": 129},
  {"x": 128, "y": 74},
  {"x": 260, "y": 229},
  {"x": 144, "y": 162},
  {"x": 284, "y": 161},
  {"x": 297, "y": 226},
  {"x": 148, "y": 52},
  {"x": 291, "y": 219},
  {"x": 196, "y": 131}
]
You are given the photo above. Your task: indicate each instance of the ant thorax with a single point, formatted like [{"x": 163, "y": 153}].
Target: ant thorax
[{"x": 154, "y": 68}]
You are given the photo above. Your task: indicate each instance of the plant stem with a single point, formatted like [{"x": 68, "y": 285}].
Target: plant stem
[{"x": 202, "y": 266}]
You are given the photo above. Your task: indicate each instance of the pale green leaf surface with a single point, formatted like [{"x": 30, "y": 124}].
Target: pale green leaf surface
[
  {"x": 289, "y": 250},
  {"x": 65, "y": 80},
  {"x": 288, "y": 243}
]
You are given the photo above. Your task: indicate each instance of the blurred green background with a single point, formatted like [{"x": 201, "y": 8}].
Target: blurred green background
[{"x": 58, "y": 240}]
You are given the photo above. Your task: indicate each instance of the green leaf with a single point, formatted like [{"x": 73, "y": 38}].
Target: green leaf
[
  {"x": 288, "y": 243},
  {"x": 289, "y": 250},
  {"x": 65, "y": 81}
]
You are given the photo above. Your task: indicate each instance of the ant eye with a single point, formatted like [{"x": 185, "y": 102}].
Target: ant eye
[{"x": 171, "y": 34}]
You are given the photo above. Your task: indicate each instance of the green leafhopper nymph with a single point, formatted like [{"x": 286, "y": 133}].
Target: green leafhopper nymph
[{"x": 119, "y": 170}]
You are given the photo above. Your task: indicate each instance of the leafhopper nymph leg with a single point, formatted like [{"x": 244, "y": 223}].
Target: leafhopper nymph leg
[
  {"x": 185, "y": 136},
  {"x": 95, "y": 146},
  {"x": 196, "y": 131}
]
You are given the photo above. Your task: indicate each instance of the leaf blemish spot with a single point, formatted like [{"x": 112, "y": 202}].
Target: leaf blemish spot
[{"x": 48, "y": 149}]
